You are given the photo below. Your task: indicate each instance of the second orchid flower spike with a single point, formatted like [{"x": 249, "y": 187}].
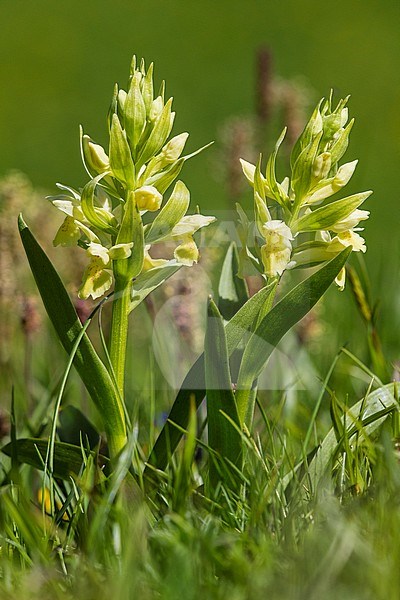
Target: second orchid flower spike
[{"x": 302, "y": 204}]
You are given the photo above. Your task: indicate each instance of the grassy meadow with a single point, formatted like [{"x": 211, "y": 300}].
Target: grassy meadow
[{"x": 239, "y": 434}]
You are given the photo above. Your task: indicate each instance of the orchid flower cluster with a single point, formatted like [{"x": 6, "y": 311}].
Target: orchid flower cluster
[
  {"x": 303, "y": 204},
  {"x": 111, "y": 216}
]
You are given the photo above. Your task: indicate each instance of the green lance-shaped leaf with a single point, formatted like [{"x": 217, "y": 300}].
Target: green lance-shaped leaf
[
  {"x": 194, "y": 382},
  {"x": 232, "y": 290},
  {"x": 65, "y": 321},
  {"x": 121, "y": 162},
  {"x": 157, "y": 137},
  {"x": 276, "y": 190},
  {"x": 286, "y": 313},
  {"x": 68, "y": 459},
  {"x": 131, "y": 230},
  {"x": 148, "y": 281},
  {"x": 134, "y": 113},
  {"x": 170, "y": 214},
  {"x": 326, "y": 216},
  {"x": 98, "y": 217},
  {"x": 223, "y": 437}
]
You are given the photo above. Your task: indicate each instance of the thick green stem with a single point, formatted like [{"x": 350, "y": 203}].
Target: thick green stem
[{"x": 119, "y": 330}]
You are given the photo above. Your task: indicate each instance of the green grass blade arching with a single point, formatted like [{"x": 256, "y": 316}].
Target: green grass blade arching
[
  {"x": 194, "y": 385},
  {"x": 223, "y": 437},
  {"x": 68, "y": 459},
  {"x": 68, "y": 326},
  {"x": 286, "y": 313}
]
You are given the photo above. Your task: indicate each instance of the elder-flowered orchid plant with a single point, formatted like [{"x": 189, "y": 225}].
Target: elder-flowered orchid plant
[
  {"x": 120, "y": 213},
  {"x": 118, "y": 217},
  {"x": 302, "y": 204}
]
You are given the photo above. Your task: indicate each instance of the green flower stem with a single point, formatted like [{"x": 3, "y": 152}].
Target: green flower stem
[{"x": 119, "y": 330}]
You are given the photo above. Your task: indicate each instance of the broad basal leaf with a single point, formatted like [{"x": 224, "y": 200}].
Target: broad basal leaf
[
  {"x": 223, "y": 437},
  {"x": 68, "y": 326},
  {"x": 68, "y": 459}
]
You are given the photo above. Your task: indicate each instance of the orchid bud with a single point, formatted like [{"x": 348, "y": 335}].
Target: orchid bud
[
  {"x": 345, "y": 173},
  {"x": 95, "y": 156},
  {"x": 156, "y": 109},
  {"x": 316, "y": 123},
  {"x": 344, "y": 116},
  {"x": 332, "y": 124},
  {"x": 174, "y": 148},
  {"x": 121, "y": 100},
  {"x": 341, "y": 279}
]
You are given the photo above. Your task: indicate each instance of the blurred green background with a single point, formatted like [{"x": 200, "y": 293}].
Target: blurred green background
[{"x": 59, "y": 62}]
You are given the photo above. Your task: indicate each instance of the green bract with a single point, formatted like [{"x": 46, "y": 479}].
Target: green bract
[{"x": 302, "y": 203}]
